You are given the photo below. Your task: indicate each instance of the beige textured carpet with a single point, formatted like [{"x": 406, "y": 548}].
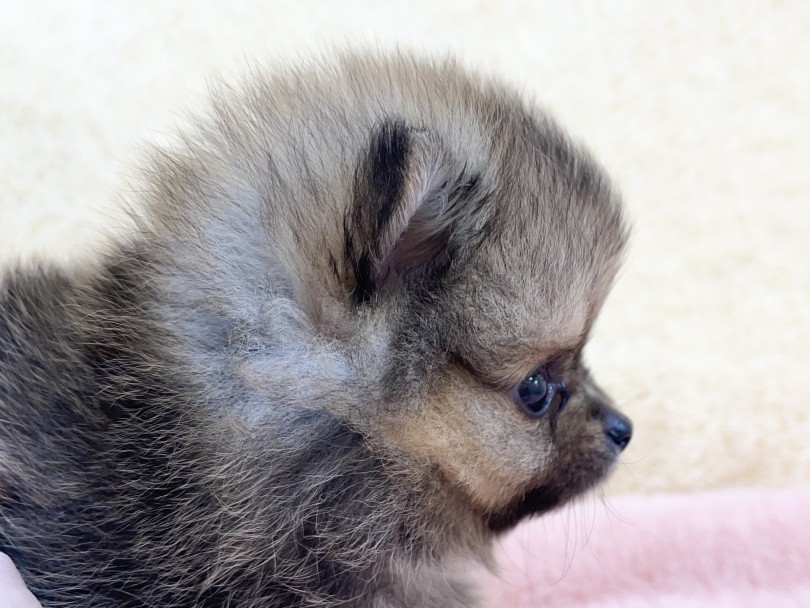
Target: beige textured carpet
[{"x": 701, "y": 111}]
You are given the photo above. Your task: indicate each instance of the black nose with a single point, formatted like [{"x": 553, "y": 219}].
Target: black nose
[{"x": 619, "y": 429}]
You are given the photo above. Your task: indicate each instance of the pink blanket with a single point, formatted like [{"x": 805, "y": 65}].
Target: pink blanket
[{"x": 736, "y": 548}]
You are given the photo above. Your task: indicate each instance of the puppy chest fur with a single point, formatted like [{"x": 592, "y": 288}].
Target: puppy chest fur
[{"x": 341, "y": 354}]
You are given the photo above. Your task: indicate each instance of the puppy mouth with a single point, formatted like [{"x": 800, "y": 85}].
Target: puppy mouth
[
  {"x": 545, "y": 497},
  {"x": 534, "y": 502}
]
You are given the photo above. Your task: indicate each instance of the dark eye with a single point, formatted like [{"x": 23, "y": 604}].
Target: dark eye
[{"x": 538, "y": 395}]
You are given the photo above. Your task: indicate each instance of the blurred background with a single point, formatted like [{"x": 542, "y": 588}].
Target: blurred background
[{"x": 700, "y": 110}]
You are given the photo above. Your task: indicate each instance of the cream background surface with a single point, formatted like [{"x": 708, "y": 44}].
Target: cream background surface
[{"x": 700, "y": 110}]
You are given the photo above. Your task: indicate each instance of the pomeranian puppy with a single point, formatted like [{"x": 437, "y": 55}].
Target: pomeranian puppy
[{"x": 341, "y": 354}]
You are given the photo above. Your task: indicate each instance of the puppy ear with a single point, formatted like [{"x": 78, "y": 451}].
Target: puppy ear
[{"x": 407, "y": 196}]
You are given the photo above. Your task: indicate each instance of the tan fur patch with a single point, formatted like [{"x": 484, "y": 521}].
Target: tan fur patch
[{"x": 457, "y": 431}]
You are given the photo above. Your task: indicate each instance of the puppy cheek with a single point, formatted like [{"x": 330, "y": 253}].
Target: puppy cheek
[{"x": 489, "y": 462}]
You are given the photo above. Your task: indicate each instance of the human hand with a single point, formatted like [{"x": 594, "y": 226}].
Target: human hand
[{"x": 13, "y": 592}]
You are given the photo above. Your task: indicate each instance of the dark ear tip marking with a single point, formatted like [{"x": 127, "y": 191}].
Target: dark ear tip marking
[
  {"x": 387, "y": 167},
  {"x": 378, "y": 191},
  {"x": 410, "y": 197}
]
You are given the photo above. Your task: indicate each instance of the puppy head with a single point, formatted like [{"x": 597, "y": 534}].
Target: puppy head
[
  {"x": 484, "y": 245},
  {"x": 444, "y": 249}
]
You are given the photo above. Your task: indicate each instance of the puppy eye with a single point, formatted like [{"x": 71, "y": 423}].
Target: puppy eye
[{"x": 538, "y": 395}]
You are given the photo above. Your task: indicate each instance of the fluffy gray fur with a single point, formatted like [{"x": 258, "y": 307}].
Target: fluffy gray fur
[{"x": 294, "y": 386}]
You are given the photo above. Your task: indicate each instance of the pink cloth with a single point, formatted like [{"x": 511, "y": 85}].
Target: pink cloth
[{"x": 734, "y": 548}]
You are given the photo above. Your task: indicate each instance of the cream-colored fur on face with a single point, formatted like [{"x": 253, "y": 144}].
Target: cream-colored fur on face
[
  {"x": 454, "y": 429},
  {"x": 698, "y": 111},
  {"x": 493, "y": 463}
]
